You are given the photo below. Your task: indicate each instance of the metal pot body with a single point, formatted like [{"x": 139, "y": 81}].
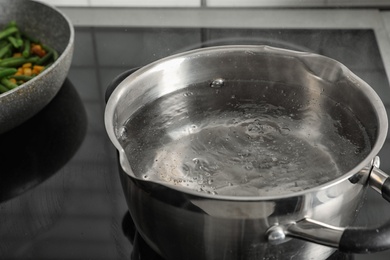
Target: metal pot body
[
  {"x": 180, "y": 223},
  {"x": 184, "y": 226}
]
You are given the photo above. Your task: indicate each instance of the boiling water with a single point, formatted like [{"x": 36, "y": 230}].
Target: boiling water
[{"x": 232, "y": 141}]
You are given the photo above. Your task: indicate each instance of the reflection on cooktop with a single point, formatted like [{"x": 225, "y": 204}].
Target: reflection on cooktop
[
  {"x": 32, "y": 193},
  {"x": 44, "y": 143}
]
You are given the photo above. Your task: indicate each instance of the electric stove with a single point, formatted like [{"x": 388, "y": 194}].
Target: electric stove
[{"x": 60, "y": 193}]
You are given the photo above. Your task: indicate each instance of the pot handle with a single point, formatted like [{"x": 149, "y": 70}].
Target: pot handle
[
  {"x": 115, "y": 82},
  {"x": 363, "y": 240},
  {"x": 379, "y": 180},
  {"x": 347, "y": 240}
]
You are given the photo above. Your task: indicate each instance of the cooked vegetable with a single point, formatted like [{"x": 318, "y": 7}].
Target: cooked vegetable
[
  {"x": 45, "y": 58},
  {"x": 21, "y": 57},
  {"x": 3, "y": 89},
  {"x": 7, "y": 72},
  {"x": 5, "y": 49},
  {"x": 49, "y": 49},
  {"x": 8, "y": 31},
  {"x": 16, "y": 43},
  {"x": 17, "y": 61},
  {"x": 8, "y": 83},
  {"x": 22, "y": 77},
  {"x": 26, "y": 48}
]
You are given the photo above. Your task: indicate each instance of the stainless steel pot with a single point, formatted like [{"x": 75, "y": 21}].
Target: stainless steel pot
[{"x": 181, "y": 223}]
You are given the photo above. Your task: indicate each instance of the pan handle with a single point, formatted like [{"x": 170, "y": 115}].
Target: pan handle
[{"x": 348, "y": 240}]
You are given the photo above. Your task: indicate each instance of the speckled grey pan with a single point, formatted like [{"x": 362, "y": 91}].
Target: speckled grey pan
[{"x": 48, "y": 24}]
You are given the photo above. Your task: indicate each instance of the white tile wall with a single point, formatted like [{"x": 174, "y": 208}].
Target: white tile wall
[
  {"x": 218, "y": 3},
  {"x": 256, "y": 3},
  {"x": 147, "y": 3},
  {"x": 67, "y": 2},
  {"x": 296, "y": 3},
  {"x": 126, "y": 3}
]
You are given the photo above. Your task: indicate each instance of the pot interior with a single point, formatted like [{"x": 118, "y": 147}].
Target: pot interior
[{"x": 240, "y": 121}]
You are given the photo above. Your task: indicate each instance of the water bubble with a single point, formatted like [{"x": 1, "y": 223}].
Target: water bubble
[
  {"x": 122, "y": 132},
  {"x": 217, "y": 83},
  {"x": 248, "y": 167},
  {"x": 185, "y": 167}
]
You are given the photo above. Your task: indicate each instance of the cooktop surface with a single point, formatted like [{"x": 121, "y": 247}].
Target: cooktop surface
[{"x": 60, "y": 194}]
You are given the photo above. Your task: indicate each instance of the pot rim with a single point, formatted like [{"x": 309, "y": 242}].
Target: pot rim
[{"x": 366, "y": 89}]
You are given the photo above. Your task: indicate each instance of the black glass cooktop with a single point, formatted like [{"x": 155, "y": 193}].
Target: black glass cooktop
[{"x": 60, "y": 194}]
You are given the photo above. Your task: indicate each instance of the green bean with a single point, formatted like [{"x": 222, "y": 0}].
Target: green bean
[
  {"x": 5, "y": 49},
  {"x": 7, "y": 72},
  {"x": 49, "y": 49},
  {"x": 8, "y": 84},
  {"x": 8, "y": 54},
  {"x": 45, "y": 59},
  {"x": 17, "y": 61},
  {"x": 6, "y": 32},
  {"x": 19, "y": 39},
  {"x": 3, "y": 43},
  {"x": 26, "y": 49},
  {"x": 13, "y": 41},
  {"x": 3, "y": 89},
  {"x": 21, "y": 77},
  {"x": 16, "y": 50}
]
